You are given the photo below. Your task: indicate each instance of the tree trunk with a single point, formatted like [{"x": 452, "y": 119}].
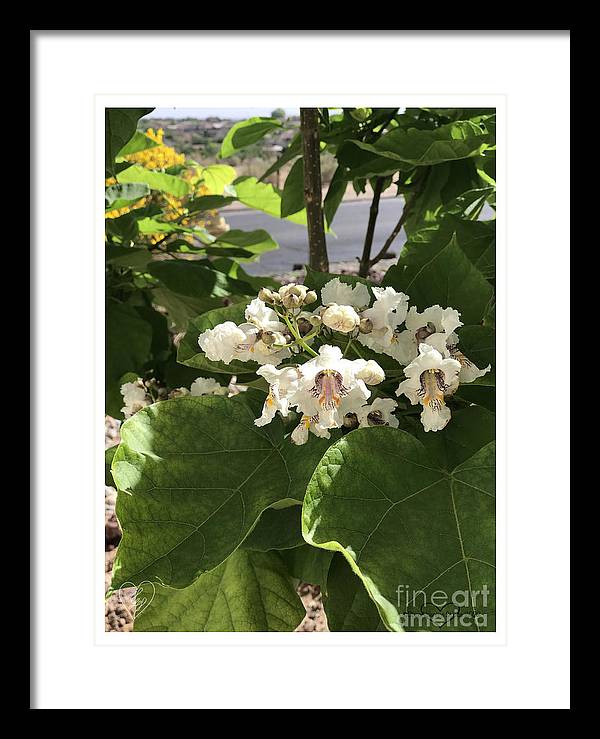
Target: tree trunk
[{"x": 317, "y": 247}]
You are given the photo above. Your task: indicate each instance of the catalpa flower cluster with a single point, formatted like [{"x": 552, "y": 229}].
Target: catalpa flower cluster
[
  {"x": 140, "y": 393},
  {"x": 305, "y": 355}
]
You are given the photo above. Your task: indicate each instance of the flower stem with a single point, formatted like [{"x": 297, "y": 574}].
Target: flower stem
[{"x": 296, "y": 335}]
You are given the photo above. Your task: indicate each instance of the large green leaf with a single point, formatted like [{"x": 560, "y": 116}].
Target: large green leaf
[
  {"x": 108, "y": 458},
  {"x": 478, "y": 343},
  {"x": 195, "y": 279},
  {"x": 154, "y": 226},
  {"x": 138, "y": 142},
  {"x": 119, "y": 127},
  {"x": 441, "y": 186},
  {"x": 123, "y": 229},
  {"x": 255, "y": 242},
  {"x": 347, "y": 604},
  {"x": 413, "y": 517},
  {"x": 194, "y": 475},
  {"x": 127, "y": 256},
  {"x": 155, "y": 180},
  {"x": 292, "y": 198},
  {"x": 477, "y": 240},
  {"x": 433, "y": 269},
  {"x": 308, "y": 564},
  {"x": 293, "y": 150},
  {"x": 217, "y": 177},
  {"x": 119, "y": 195},
  {"x": 208, "y": 202},
  {"x": 422, "y": 148},
  {"x": 335, "y": 195},
  {"x": 277, "y": 528},
  {"x": 128, "y": 342},
  {"x": 263, "y": 196},
  {"x": 250, "y": 591},
  {"x": 246, "y": 132},
  {"x": 182, "y": 308}
]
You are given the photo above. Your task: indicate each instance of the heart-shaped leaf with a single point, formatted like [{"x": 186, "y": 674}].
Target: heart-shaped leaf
[
  {"x": 433, "y": 269},
  {"x": 194, "y": 474},
  {"x": 412, "y": 517},
  {"x": 250, "y": 591}
]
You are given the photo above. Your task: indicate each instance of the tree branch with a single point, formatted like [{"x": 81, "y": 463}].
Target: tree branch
[
  {"x": 397, "y": 228},
  {"x": 317, "y": 247},
  {"x": 365, "y": 260},
  {"x": 403, "y": 218}
]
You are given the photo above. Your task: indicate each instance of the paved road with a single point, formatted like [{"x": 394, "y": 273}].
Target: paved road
[{"x": 350, "y": 224}]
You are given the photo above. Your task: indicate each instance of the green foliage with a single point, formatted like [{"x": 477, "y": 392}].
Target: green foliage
[
  {"x": 120, "y": 125},
  {"x": 348, "y": 605},
  {"x": 155, "y": 180},
  {"x": 194, "y": 475},
  {"x": 222, "y": 518},
  {"x": 424, "y": 520},
  {"x": 250, "y": 591},
  {"x": 292, "y": 198},
  {"x": 157, "y": 213},
  {"x": 277, "y": 528},
  {"x": 245, "y": 133},
  {"x": 128, "y": 342},
  {"x": 433, "y": 269}
]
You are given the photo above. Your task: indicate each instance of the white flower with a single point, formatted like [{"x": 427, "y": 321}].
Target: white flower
[
  {"x": 429, "y": 378},
  {"x": 435, "y": 325},
  {"x": 207, "y": 386},
  {"x": 371, "y": 373},
  {"x": 329, "y": 387},
  {"x": 378, "y": 413},
  {"x": 336, "y": 291},
  {"x": 283, "y": 383},
  {"x": 468, "y": 370},
  {"x": 308, "y": 423},
  {"x": 387, "y": 313},
  {"x": 226, "y": 342},
  {"x": 220, "y": 343},
  {"x": 179, "y": 392},
  {"x": 341, "y": 318},
  {"x": 134, "y": 397},
  {"x": 259, "y": 314}
]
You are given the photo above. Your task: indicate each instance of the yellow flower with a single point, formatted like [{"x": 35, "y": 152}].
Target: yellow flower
[{"x": 158, "y": 157}]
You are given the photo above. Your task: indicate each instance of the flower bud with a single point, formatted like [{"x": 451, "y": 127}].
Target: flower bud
[
  {"x": 291, "y": 301},
  {"x": 365, "y": 326},
  {"x": 299, "y": 290},
  {"x": 304, "y": 326},
  {"x": 265, "y": 295},
  {"x": 371, "y": 373},
  {"x": 341, "y": 318},
  {"x": 268, "y": 338},
  {"x": 285, "y": 289},
  {"x": 350, "y": 421},
  {"x": 310, "y": 297},
  {"x": 316, "y": 320},
  {"x": 375, "y": 418}
]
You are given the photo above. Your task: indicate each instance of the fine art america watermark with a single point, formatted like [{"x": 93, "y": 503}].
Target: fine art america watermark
[{"x": 456, "y": 610}]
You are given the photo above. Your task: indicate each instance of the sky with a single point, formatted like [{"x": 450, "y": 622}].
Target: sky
[{"x": 231, "y": 113}]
